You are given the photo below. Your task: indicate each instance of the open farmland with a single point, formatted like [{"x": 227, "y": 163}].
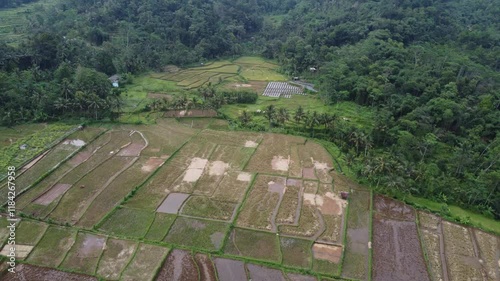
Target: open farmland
[{"x": 173, "y": 202}]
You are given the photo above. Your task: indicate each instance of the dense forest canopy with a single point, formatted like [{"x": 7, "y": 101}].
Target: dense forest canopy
[{"x": 429, "y": 68}]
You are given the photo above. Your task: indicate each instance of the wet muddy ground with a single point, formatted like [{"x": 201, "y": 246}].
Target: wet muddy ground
[
  {"x": 205, "y": 267},
  {"x": 27, "y": 272},
  {"x": 260, "y": 273},
  {"x": 397, "y": 254},
  {"x": 56, "y": 191},
  {"x": 179, "y": 266},
  {"x": 172, "y": 203},
  {"x": 230, "y": 270}
]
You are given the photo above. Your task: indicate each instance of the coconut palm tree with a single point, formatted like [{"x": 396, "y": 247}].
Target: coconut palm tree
[
  {"x": 299, "y": 115},
  {"x": 282, "y": 116},
  {"x": 245, "y": 118},
  {"x": 270, "y": 114}
]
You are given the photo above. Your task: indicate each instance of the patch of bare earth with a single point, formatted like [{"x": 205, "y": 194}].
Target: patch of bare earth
[
  {"x": 179, "y": 266},
  {"x": 22, "y": 251},
  {"x": 333, "y": 205},
  {"x": 308, "y": 173},
  {"x": 279, "y": 163},
  {"x": 195, "y": 170},
  {"x": 217, "y": 168},
  {"x": 56, "y": 191},
  {"x": 152, "y": 164},
  {"x": 26, "y": 272},
  {"x": 251, "y": 144},
  {"x": 331, "y": 253},
  {"x": 244, "y": 177},
  {"x": 191, "y": 113}
]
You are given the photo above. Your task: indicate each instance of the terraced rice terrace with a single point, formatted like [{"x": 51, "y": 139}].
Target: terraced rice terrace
[{"x": 177, "y": 202}]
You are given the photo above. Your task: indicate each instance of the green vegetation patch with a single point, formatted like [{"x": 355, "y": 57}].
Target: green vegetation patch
[
  {"x": 160, "y": 226},
  {"x": 128, "y": 222},
  {"x": 198, "y": 233},
  {"x": 30, "y": 232},
  {"x": 205, "y": 207},
  {"x": 255, "y": 244},
  {"x": 52, "y": 249},
  {"x": 296, "y": 252}
]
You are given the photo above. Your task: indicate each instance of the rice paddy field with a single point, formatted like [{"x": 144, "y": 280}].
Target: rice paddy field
[{"x": 185, "y": 200}]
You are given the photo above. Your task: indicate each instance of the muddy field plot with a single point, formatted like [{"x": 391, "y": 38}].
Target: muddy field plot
[
  {"x": 262, "y": 203},
  {"x": 233, "y": 186},
  {"x": 128, "y": 222},
  {"x": 32, "y": 272},
  {"x": 327, "y": 258},
  {"x": 179, "y": 266},
  {"x": 397, "y": 254},
  {"x": 145, "y": 263},
  {"x": 230, "y": 270},
  {"x": 53, "y": 246},
  {"x": 273, "y": 154},
  {"x": 431, "y": 238},
  {"x": 204, "y": 207},
  {"x": 254, "y": 244},
  {"x": 489, "y": 251},
  {"x": 315, "y": 161},
  {"x": 85, "y": 253},
  {"x": 289, "y": 209},
  {"x": 197, "y": 233},
  {"x": 296, "y": 252},
  {"x": 463, "y": 264},
  {"x": 260, "y": 273},
  {"x": 356, "y": 253},
  {"x": 115, "y": 257},
  {"x": 114, "y": 193}
]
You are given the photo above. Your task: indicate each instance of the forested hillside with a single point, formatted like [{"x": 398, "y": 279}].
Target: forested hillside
[{"x": 430, "y": 70}]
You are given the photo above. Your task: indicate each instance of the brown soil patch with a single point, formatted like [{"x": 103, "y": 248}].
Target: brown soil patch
[
  {"x": 79, "y": 158},
  {"x": 329, "y": 253},
  {"x": 172, "y": 203},
  {"x": 179, "y": 266},
  {"x": 321, "y": 166},
  {"x": 279, "y": 163},
  {"x": 190, "y": 113},
  {"x": 244, "y": 177},
  {"x": 192, "y": 175},
  {"x": 22, "y": 251},
  {"x": 260, "y": 273},
  {"x": 230, "y": 270},
  {"x": 152, "y": 164},
  {"x": 198, "y": 163},
  {"x": 308, "y": 173},
  {"x": 205, "y": 267},
  {"x": 333, "y": 205},
  {"x": 392, "y": 209},
  {"x": 133, "y": 149},
  {"x": 56, "y": 191},
  {"x": 397, "y": 253},
  {"x": 30, "y": 272},
  {"x": 251, "y": 144},
  {"x": 218, "y": 168}
]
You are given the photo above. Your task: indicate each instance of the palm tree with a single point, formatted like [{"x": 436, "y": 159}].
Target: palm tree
[
  {"x": 299, "y": 115},
  {"x": 245, "y": 118},
  {"x": 311, "y": 121},
  {"x": 270, "y": 114},
  {"x": 282, "y": 116}
]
